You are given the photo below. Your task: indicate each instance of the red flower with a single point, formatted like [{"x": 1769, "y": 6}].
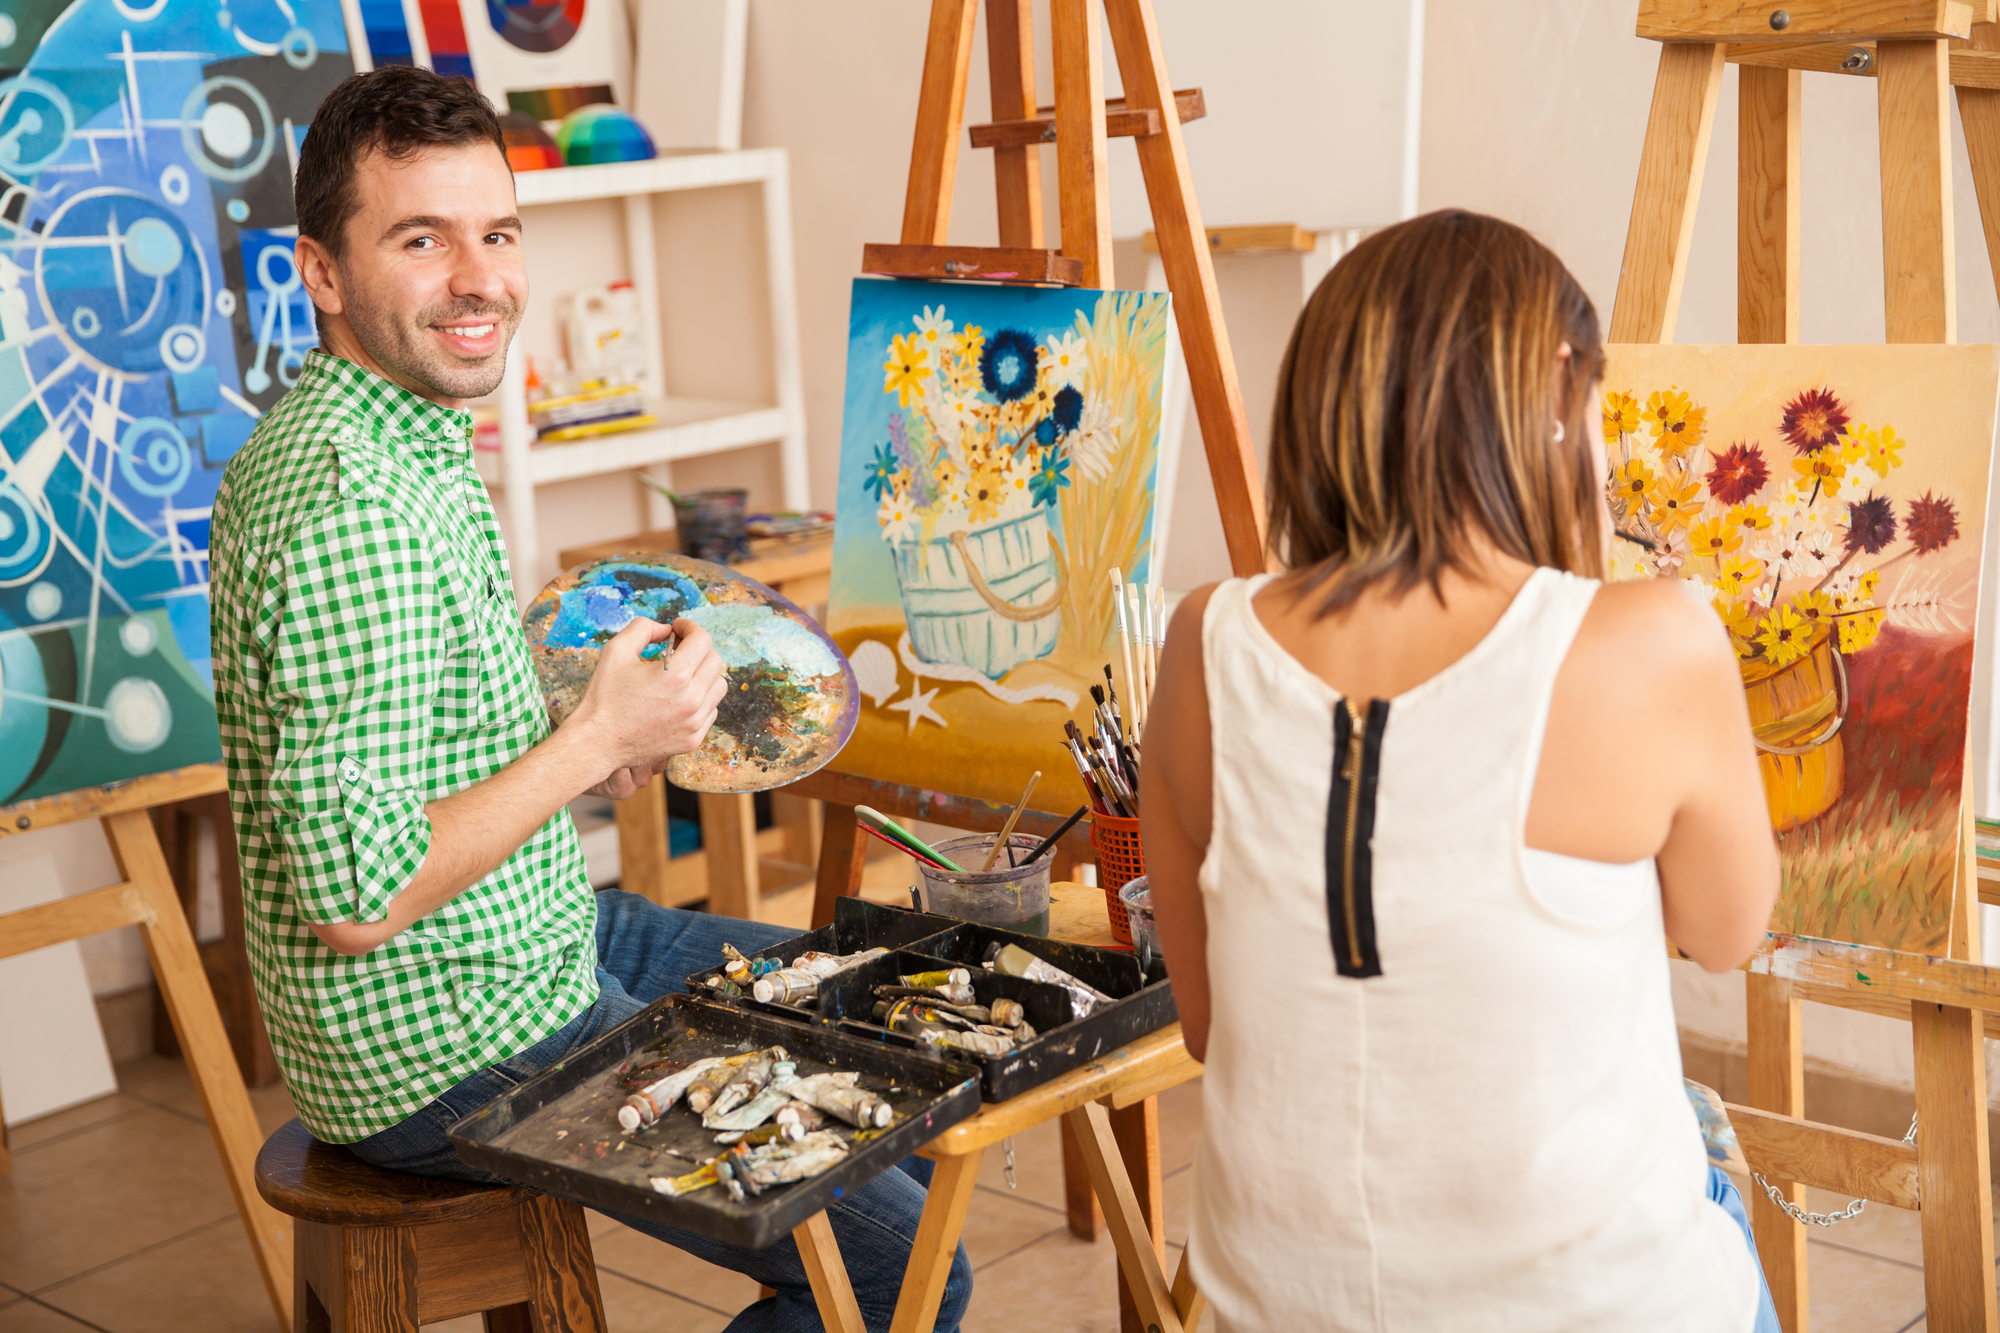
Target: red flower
[
  {"x": 1813, "y": 420},
  {"x": 1871, "y": 524},
  {"x": 1932, "y": 524},
  {"x": 1738, "y": 473}
]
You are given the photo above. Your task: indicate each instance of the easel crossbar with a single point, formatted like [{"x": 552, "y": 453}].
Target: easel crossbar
[
  {"x": 1828, "y": 1157},
  {"x": 1891, "y": 973},
  {"x": 66, "y": 919}
]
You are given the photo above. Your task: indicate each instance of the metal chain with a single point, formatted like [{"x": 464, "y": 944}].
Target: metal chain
[
  {"x": 1798, "y": 1214},
  {"x": 1007, "y": 1146}
]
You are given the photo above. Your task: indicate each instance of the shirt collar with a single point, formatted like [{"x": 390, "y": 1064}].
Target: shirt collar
[{"x": 397, "y": 411}]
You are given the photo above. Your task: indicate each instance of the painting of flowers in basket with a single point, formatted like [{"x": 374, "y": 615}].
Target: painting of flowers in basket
[
  {"x": 998, "y": 457},
  {"x": 1830, "y": 504}
]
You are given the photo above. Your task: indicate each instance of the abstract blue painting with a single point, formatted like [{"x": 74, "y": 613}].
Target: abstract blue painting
[{"x": 149, "y": 311}]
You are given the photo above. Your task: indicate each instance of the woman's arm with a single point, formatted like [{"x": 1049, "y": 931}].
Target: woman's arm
[{"x": 1176, "y": 803}]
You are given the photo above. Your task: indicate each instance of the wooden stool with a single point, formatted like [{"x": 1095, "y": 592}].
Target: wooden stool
[{"x": 383, "y": 1252}]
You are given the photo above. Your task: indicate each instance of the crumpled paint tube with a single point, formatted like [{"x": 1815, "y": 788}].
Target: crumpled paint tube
[
  {"x": 759, "y": 1108},
  {"x": 935, "y": 1028},
  {"x": 701, "y": 1093},
  {"x": 802, "y": 1116},
  {"x": 752, "y": 1171},
  {"x": 801, "y": 980},
  {"x": 700, "y": 1178},
  {"x": 749, "y": 1081},
  {"x": 972, "y": 1043},
  {"x": 839, "y": 1097},
  {"x": 1006, "y": 1013},
  {"x": 1015, "y": 961},
  {"x": 649, "y": 1103},
  {"x": 959, "y": 995},
  {"x": 956, "y": 976}
]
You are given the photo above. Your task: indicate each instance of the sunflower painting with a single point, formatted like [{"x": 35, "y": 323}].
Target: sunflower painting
[
  {"x": 1830, "y": 504},
  {"x": 998, "y": 456}
]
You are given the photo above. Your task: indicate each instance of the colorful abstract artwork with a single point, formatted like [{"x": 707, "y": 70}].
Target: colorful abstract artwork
[
  {"x": 149, "y": 311},
  {"x": 999, "y": 450},
  {"x": 1830, "y": 504},
  {"x": 791, "y": 699}
]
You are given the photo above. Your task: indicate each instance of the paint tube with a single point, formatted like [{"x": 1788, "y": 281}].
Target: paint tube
[
  {"x": 956, "y": 976},
  {"x": 926, "y": 1024},
  {"x": 840, "y": 1097},
  {"x": 649, "y": 1103},
  {"x": 766, "y": 1133},
  {"x": 929, "y": 1011},
  {"x": 1015, "y": 961},
  {"x": 801, "y": 1116},
  {"x": 749, "y": 1081},
  {"x": 701, "y": 1093},
  {"x": 959, "y": 995},
  {"x": 672, "y": 1186},
  {"x": 753, "y": 1170},
  {"x": 1007, "y": 1013},
  {"x": 801, "y": 980},
  {"x": 742, "y": 970},
  {"x": 971, "y": 1043},
  {"x": 723, "y": 986},
  {"x": 759, "y": 1108}
]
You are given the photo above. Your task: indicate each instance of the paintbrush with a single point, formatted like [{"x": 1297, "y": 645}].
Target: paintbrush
[
  {"x": 905, "y": 850},
  {"x": 1083, "y": 771},
  {"x": 1042, "y": 847},
  {"x": 1124, "y": 635},
  {"x": 1007, "y": 829},
  {"x": 1111, "y": 697},
  {"x": 1142, "y": 689},
  {"x": 1636, "y": 539},
  {"x": 1107, "y": 783},
  {"x": 882, "y": 824}
]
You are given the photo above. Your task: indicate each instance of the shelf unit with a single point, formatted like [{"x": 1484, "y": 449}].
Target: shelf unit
[{"x": 689, "y": 427}]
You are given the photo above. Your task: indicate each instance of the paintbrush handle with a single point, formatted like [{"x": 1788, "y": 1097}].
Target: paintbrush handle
[{"x": 1007, "y": 829}]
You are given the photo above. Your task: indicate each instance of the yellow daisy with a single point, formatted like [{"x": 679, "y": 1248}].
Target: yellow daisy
[
  {"x": 1785, "y": 637},
  {"x": 1717, "y": 537},
  {"x": 1621, "y": 416},
  {"x": 906, "y": 369},
  {"x": 1673, "y": 505}
]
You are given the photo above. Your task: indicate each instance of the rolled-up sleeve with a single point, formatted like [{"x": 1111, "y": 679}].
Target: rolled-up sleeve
[{"x": 357, "y": 660}]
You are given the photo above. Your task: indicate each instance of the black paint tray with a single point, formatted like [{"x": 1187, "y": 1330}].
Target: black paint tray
[
  {"x": 1142, "y": 1002},
  {"x": 559, "y": 1131},
  {"x": 857, "y": 924}
]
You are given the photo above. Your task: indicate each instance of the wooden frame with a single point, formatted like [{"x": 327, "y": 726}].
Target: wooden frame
[
  {"x": 146, "y": 898},
  {"x": 1945, "y": 1176}
]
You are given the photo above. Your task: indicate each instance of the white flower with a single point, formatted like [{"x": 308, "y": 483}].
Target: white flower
[
  {"x": 951, "y": 413},
  {"x": 1799, "y": 545},
  {"x": 932, "y": 329},
  {"x": 1066, "y": 360},
  {"x": 1094, "y": 440},
  {"x": 896, "y": 517},
  {"x": 1014, "y": 495}
]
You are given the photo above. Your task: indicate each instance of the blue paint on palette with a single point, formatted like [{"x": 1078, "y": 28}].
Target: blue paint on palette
[{"x": 613, "y": 596}]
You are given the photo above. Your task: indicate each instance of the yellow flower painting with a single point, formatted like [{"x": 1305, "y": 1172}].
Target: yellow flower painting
[{"x": 1830, "y": 502}]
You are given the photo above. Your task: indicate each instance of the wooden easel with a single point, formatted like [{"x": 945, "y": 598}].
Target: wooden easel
[
  {"x": 146, "y": 898},
  {"x": 1080, "y": 124},
  {"x": 1909, "y": 49}
]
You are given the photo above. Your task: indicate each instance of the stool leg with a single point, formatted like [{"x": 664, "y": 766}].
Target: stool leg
[
  {"x": 510, "y": 1319},
  {"x": 561, "y": 1268},
  {"x": 379, "y": 1287}
]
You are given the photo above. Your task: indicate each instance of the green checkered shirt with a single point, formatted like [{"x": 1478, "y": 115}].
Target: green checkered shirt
[{"x": 369, "y": 660}]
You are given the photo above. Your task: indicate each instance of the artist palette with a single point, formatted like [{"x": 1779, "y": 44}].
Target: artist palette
[{"x": 792, "y": 697}]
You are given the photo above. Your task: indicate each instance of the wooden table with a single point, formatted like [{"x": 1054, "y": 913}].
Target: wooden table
[
  {"x": 728, "y": 874},
  {"x": 1110, "y": 1113}
]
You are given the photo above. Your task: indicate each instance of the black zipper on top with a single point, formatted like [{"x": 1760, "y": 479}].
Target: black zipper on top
[{"x": 1350, "y": 828}]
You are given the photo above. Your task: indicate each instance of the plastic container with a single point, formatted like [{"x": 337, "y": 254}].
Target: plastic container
[
  {"x": 1119, "y": 862},
  {"x": 1137, "y": 900},
  {"x": 711, "y": 525},
  {"x": 1015, "y": 898}
]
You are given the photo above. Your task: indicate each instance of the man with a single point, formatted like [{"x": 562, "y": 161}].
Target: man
[{"x": 421, "y": 930}]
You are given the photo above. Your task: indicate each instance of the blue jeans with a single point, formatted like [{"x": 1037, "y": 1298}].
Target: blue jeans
[
  {"x": 1721, "y": 1190},
  {"x": 644, "y": 952}
]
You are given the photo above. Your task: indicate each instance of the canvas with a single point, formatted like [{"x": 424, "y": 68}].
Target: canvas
[
  {"x": 149, "y": 311},
  {"x": 1830, "y": 504},
  {"x": 999, "y": 449}
]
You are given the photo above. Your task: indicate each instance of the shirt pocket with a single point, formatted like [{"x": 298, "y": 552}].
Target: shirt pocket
[{"x": 508, "y": 690}]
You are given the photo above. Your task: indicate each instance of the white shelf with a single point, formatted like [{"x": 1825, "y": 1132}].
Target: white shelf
[
  {"x": 615, "y": 180},
  {"x": 689, "y": 427}
]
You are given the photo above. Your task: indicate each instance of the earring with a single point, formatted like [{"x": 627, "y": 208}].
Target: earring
[{"x": 1560, "y": 432}]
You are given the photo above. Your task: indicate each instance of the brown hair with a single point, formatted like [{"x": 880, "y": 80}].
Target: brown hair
[{"x": 1415, "y": 410}]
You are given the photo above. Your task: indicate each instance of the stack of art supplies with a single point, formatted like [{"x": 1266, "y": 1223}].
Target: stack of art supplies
[{"x": 597, "y": 409}]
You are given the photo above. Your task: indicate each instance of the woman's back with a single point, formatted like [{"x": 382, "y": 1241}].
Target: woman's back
[{"x": 1443, "y": 1086}]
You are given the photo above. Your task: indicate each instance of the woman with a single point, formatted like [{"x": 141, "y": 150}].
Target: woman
[{"x": 1422, "y": 812}]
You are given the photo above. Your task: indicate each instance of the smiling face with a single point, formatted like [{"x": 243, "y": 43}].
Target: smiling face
[{"x": 430, "y": 285}]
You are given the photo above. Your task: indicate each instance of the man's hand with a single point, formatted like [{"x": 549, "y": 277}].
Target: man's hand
[
  {"x": 642, "y": 713},
  {"x": 625, "y": 783}
]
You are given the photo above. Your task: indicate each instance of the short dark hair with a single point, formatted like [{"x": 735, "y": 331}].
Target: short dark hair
[
  {"x": 1415, "y": 410},
  {"x": 396, "y": 110}
]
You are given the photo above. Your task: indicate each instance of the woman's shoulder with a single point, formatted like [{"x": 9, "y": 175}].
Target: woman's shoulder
[{"x": 1654, "y": 631}]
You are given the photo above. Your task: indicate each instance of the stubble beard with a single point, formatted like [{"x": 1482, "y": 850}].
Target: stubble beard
[{"x": 405, "y": 350}]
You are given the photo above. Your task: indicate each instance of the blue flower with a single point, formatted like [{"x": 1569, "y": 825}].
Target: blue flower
[
  {"x": 1045, "y": 432},
  {"x": 1050, "y": 480},
  {"x": 879, "y": 477},
  {"x": 1007, "y": 366},
  {"x": 1068, "y": 409}
]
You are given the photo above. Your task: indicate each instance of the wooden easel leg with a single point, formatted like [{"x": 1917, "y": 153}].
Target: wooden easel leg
[
  {"x": 936, "y": 1244},
  {"x": 224, "y": 1100},
  {"x": 940, "y": 116},
  {"x": 1138, "y": 1261},
  {"x": 1767, "y": 205},
  {"x": 1912, "y": 81},
  {"x": 799, "y": 817},
  {"x": 1083, "y": 174},
  {"x": 642, "y": 842},
  {"x": 1979, "y": 112},
  {"x": 729, "y": 839},
  {"x": 1952, "y": 1160},
  {"x": 1086, "y": 1218},
  {"x": 1211, "y": 367},
  {"x": 1137, "y": 1129},
  {"x": 566, "y": 1297},
  {"x": 1017, "y": 172},
  {"x": 1663, "y": 204},
  {"x": 843, "y": 855},
  {"x": 1187, "y": 1297},
  {"x": 1778, "y": 1083}
]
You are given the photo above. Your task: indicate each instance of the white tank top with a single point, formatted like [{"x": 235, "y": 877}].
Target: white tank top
[{"x": 1451, "y": 1098}]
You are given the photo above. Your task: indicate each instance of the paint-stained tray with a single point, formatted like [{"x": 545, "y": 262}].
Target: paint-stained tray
[
  {"x": 559, "y": 1131},
  {"x": 1143, "y": 1002},
  {"x": 857, "y": 924}
]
